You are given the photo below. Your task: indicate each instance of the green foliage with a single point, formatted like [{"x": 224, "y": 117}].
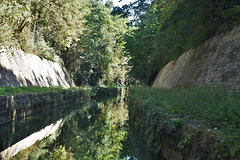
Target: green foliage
[
  {"x": 61, "y": 153},
  {"x": 166, "y": 29},
  {"x": 81, "y": 33},
  {"x": 99, "y": 56},
  {"x": 42, "y": 27},
  {"x": 212, "y": 107}
]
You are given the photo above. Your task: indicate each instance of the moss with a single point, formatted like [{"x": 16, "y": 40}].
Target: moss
[{"x": 198, "y": 75}]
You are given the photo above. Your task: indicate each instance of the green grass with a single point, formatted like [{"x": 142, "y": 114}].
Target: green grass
[
  {"x": 211, "y": 107},
  {"x": 35, "y": 89},
  {"x": 12, "y": 91}
]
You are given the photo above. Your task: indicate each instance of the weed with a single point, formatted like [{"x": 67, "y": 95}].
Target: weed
[{"x": 212, "y": 107}]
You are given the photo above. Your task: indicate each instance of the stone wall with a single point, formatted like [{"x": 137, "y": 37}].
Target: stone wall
[
  {"x": 15, "y": 107},
  {"x": 18, "y": 68},
  {"x": 215, "y": 62}
]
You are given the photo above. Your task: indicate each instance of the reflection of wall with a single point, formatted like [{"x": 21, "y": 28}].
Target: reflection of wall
[
  {"x": 214, "y": 62},
  {"x": 18, "y": 68},
  {"x": 36, "y": 111},
  {"x": 11, "y": 133},
  {"x": 30, "y": 140}
]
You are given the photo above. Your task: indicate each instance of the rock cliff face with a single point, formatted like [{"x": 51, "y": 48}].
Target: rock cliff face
[
  {"x": 18, "y": 68},
  {"x": 216, "y": 62}
]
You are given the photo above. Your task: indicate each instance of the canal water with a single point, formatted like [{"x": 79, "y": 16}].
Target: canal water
[{"x": 90, "y": 130}]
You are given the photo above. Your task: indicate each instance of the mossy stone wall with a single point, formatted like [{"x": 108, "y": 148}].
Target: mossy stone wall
[{"x": 16, "y": 106}]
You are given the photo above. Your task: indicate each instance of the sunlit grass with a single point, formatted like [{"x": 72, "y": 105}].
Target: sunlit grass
[{"x": 35, "y": 89}]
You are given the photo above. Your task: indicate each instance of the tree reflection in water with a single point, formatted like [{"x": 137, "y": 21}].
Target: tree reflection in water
[{"x": 98, "y": 131}]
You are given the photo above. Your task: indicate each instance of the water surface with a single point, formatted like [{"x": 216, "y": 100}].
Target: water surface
[{"x": 91, "y": 130}]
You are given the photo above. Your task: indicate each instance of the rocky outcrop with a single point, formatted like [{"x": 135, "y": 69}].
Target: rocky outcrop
[
  {"x": 215, "y": 62},
  {"x": 18, "y": 68}
]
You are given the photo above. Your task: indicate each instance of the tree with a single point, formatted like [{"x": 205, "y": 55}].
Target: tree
[
  {"x": 99, "y": 55},
  {"x": 168, "y": 28},
  {"x": 42, "y": 27}
]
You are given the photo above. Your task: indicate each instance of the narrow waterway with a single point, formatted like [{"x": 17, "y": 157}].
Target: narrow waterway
[
  {"x": 97, "y": 129},
  {"x": 89, "y": 130}
]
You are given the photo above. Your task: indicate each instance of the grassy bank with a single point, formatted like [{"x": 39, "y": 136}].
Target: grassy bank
[
  {"x": 17, "y": 102},
  {"x": 211, "y": 108},
  {"x": 12, "y": 91},
  {"x": 35, "y": 89}
]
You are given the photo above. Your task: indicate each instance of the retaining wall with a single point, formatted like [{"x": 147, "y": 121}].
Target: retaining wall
[
  {"x": 215, "y": 62},
  {"x": 18, "y": 68},
  {"x": 21, "y": 105}
]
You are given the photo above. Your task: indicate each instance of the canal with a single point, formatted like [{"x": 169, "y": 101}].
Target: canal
[{"x": 96, "y": 129}]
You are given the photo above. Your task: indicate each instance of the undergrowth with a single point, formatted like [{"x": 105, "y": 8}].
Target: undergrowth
[{"x": 215, "y": 108}]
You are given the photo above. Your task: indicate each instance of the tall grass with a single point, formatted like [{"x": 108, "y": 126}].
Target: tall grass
[
  {"x": 215, "y": 108},
  {"x": 37, "y": 89},
  {"x": 33, "y": 89}
]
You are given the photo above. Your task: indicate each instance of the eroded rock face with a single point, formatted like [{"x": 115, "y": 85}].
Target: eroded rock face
[
  {"x": 18, "y": 68},
  {"x": 216, "y": 62}
]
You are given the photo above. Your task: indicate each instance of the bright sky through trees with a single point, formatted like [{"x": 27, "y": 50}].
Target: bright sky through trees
[{"x": 117, "y": 3}]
